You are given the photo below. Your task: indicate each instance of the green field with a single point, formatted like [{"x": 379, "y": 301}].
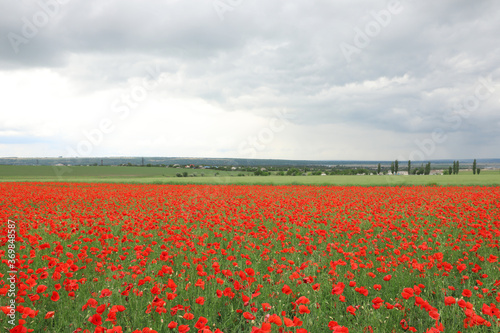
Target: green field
[{"x": 156, "y": 175}]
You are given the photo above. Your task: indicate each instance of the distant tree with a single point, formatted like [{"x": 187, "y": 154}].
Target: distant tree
[
  {"x": 293, "y": 172},
  {"x": 396, "y": 166},
  {"x": 392, "y": 167},
  {"x": 409, "y": 166},
  {"x": 450, "y": 171},
  {"x": 420, "y": 170},
  {"x": 474, "y": 167},
  {"x": 478, "y": 171},
  {"x": 378, "y": 169},
  {"x": 427, "y": 170},
  {"x": 184, "y": 174},
  {"x": 458, "y": 167}
]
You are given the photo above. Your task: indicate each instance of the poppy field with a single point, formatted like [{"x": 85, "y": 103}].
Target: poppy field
[{"x": 227, "y": 258}]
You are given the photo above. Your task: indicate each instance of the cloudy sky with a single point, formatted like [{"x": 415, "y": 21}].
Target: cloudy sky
[{"x": 338, "y": 80}]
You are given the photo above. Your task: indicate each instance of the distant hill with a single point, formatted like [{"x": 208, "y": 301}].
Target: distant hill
[{"x": 484, "y": 163}]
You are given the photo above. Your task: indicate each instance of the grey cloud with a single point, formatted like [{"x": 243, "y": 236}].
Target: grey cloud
[{"x": 267, "y": 55}]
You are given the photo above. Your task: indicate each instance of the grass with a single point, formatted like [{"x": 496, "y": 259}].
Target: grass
[
  {"x": 56, "y": 172},
  {"x": 155, "y": 175}
]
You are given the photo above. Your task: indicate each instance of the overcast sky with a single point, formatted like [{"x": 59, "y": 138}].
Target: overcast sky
[{"x": 337, "y": 80}]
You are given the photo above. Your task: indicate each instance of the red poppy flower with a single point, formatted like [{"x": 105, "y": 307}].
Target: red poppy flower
[
  {"x": 105, "y": 293},
  {"x": 448, "y": 300},
  {"x": 202, "y": 321},
  {"x": 275, "y": 319},
  {"x": 434, "y": 315},
  {"x": 49, "y": 314},
  {"x": 304, "y": 309},
  {"x": 351, "y": 310},
  {"x": 248, "y": 316},
  {"x": 286, "y": 289},
  {"x": 266, "y": 307},
  {"x": 96, "y": 319},
  {"x": 183, "y": 328},
  {"x": 101, "y": 308},
  {"x": 41, "y": 288},
  {"x": 407, "y": 293},
  {"x": 188, "y": 316},
  {"x": 265, "y": 328},
  {"x": 302, "y": 300},
  {"x": 338, "y": 289},
  {"x": 288, "y": 322},
  {"x": 332, "y": 324},
  {"x": 55, "y": 296},
  {"x": 467, "y": 293}
]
